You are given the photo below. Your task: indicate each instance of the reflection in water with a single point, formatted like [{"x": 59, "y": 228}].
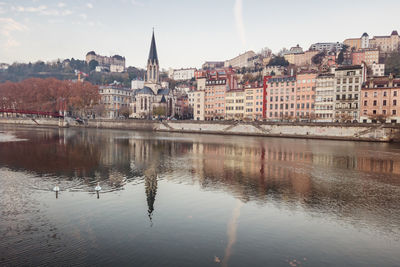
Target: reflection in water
[
  {"x": 232, "y": 232},
  {"x": 353, "y": 183}
]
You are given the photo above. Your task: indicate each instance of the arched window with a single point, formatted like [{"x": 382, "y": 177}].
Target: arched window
[{"x": 154, "y": 73}]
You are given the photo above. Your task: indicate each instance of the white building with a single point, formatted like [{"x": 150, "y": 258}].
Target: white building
[
  {"x": 244, "y": 60},
  {"x": 365, "y": 41},
  {"x": 117, "y": 68},
  {"x": 115, "y": 98},
  {"x": 137, "y": 84},
  {"x": 328, "y": 47},
  {"x": 196, "y": 102},
  {"x": 182, "y": 74},
  {"x": 325, "y": 98},
  {"x": 348, "y": 82},
  {"x": 378, "y": 70}
]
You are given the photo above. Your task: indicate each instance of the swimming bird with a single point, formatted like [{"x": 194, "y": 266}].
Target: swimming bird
[{"x": 98, "y": 187}]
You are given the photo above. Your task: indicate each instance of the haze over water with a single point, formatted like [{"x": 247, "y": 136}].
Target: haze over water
[{"x": 196, "y": 200}]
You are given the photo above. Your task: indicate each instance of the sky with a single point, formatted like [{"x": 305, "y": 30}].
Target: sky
[{"x": 187, "y": 32}]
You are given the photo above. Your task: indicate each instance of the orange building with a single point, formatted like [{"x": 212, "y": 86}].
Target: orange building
[
  {"x": 380, "y": 100},
  {"x": 305, "y": 95}
]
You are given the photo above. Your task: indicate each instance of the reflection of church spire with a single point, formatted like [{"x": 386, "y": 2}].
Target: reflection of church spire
[{"x": 151, "y": 191}]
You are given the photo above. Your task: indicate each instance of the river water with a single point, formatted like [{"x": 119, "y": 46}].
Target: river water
[{"x": 195, "y": 200}]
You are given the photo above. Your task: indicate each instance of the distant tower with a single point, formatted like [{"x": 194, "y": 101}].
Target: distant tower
[
  {"x": 153, "y": 67},
  {"x": 365, "y": 41}
]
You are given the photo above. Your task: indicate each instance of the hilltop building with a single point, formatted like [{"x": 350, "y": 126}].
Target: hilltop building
[{"x": 115, "y": 63}]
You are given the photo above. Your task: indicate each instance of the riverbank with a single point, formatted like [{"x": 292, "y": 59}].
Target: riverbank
[{"x": 349, "y": 132}]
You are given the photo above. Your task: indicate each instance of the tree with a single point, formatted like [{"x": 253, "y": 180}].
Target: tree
[
  {"x": 93, "y": 64},
  {"x": 318, "y": 58},
  {"x": 160, "y": 111},
  {"x": 381, "y": 118},
  {"x": 392, "y": 64},
  {"x": 278, "y": 61},
  {"x": 124, "y": 111}
]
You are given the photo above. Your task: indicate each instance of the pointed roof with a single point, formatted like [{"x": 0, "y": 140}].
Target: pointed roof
[{"x": 153, "y": 51}]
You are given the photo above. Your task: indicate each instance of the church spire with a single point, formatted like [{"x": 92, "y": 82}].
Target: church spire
[{"x": 153, "y": 58}]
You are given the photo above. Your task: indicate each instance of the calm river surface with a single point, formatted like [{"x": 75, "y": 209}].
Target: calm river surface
[{"x": 195, "y": 200}]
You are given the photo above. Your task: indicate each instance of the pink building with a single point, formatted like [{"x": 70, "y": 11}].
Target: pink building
[{"x": 281, "y": 94}]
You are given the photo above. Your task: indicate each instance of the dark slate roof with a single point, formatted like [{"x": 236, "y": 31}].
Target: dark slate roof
[
  {"x": 153, "y": 51},
  {"x": 394, "y": 33},
  {"x": 91, "y": 53},
  {"x": 365, "y": 35},
  {"x": 144, "y": 91},
  {"x": 163, "y": 92},
  {"x": 163, "y": 100},
  {"x": 354, "y": 67}
]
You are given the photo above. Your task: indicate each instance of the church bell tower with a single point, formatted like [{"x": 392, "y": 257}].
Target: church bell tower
[{"x": 153, "y": 67}]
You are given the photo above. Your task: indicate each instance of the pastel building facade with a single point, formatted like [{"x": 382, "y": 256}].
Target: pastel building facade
[
  {"x": 305, "y": 95},
  {"x": 386, "y": 43},
  {"x": 348, "y": 82},
  {"x": 325, "y": 97},
  {"x": 281, "y": 94},
  {"x": 235, "y": 104},
  {"x": 380, "y": 99},
  {"x": 254, "y": 103}
]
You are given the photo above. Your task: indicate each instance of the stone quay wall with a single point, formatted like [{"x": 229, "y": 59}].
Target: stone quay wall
[{"x": 333, "y": 131}]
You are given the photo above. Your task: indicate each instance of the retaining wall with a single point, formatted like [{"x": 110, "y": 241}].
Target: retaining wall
[{"x": 354, "y": 132}]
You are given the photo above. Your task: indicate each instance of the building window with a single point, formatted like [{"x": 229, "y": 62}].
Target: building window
[
  {"x": 395, "y": 102},
  {"x": 384, "y": 102},
  {"x": 365, "y": 103},
  {"x": 393, "y": 112},
  {"x": 374, "y": 102}
]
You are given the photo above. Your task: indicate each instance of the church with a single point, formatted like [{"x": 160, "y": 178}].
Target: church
[{"x": 152, "y": 101}]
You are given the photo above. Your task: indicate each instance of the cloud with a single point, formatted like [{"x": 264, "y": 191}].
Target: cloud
[
  {"x": 83, "y": 16},
  {"x": 7, "y": 27},
  {"x": 61, "y": 5},
  {"x": 238, "y": 11},
  {"x": 136, "y": 3},
  {"x": 89, "y": 5}
]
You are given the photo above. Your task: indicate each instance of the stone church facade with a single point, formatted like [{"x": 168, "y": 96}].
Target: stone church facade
[{"x": 152, "y": 101}]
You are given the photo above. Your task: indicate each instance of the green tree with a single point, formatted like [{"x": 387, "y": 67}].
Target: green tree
[
  {"x": 278, "y": 61},
  {"x": 93, "y": 64},
  {"x": 392, "y": 64}
]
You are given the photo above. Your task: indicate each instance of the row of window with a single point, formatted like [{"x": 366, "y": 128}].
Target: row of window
[{"x": 384, "y": 103}]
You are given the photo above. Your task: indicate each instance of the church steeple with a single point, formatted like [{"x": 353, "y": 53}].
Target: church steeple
[
  {"x": 153, "y": 58},
  {"x": 153, "y": 68}
]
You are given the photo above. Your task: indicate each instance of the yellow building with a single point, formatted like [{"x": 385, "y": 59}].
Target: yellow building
[
  {"x": 353, "y": 43},
  {"x": 234, "y": 104},
  {"x": 253, "y": 103}
]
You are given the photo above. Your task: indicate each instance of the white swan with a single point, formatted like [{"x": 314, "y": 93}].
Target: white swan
[
  {"x": 98, "y": 187},
  {"x": 56, "y": 188}
]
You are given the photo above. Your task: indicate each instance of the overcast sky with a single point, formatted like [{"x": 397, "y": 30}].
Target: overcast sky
[{"x": 187, "y": 32}]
